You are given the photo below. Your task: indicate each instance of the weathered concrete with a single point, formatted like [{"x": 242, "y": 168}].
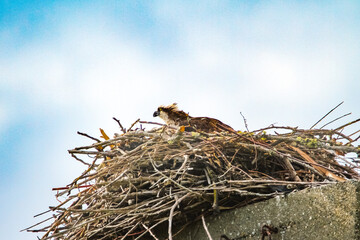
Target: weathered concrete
[{"x": 328, "y": 212}]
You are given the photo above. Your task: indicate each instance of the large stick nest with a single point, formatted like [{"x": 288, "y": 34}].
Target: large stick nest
[{"x": 140, "y": 179}]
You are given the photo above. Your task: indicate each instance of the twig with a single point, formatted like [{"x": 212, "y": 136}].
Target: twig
[
  {"x": 335, "y": 120},
  {"x": 245, "y": 122},
  {"x": 39, "y": 214},
  {"x": 171, "y": 215},
  {"x": 25, "y": 229},
  {"x": 133, "y": 124},
  {"x": 170, "y": 179},
  {"x": 155, "y": 123},
  {"x": 277, "y": 182},
  {"x": 149, "y": 230},
  {"x": 121, "y": 127},
  {"x": 326, "y": 115},
  {"x": 348, "y": 124},
  {"x": 64, "y": 188},
  {"x": 354, "y": 133},
  {"x": 272, "y": 126},
  {"x": 291, "y": 169},
  {"x": 130, "y": 231},
  {"x": 205, "y": 227},
  {"x": 159, "y": 222},
  {"x": 86, "y": 135},
  {"x": 78, "y": 159},
  {"x": 355, "y": 139}
]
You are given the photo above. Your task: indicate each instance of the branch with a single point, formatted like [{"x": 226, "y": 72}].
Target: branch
[
  {"x": 326, "y": 115},
  {"x": 121, "y": 127},
  {"x": 84, "y": 134},
  {"x": 335, "y": 120},
  {"x": 245, "y": 122},
  {"x": 206, "y": 229},
  {"x": 78, "y": 159},
  {"x": 133, "y": 124},
  {"x": 155, "y": 123},
  {"x": 348, "y": 124},
  {"x": 171, "y": 215}
]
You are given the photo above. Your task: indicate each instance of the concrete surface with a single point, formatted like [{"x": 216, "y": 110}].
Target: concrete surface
[{"x": 327, "y": 212}]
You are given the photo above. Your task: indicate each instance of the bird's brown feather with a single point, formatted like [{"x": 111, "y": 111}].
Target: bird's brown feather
[{"x": 175, "y": 117}]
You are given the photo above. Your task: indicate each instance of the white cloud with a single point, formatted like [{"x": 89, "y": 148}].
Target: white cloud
[
  {"x": 272, "y": 58},
  {"x": 239, "y": 59},
  {"x": 258, "y": 61}
]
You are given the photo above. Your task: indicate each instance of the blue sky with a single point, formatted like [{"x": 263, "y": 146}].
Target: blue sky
[{"x": 68, "y": 66}]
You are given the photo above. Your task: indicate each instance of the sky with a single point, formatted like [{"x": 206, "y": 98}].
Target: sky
[{"x": 68, "y": 66}]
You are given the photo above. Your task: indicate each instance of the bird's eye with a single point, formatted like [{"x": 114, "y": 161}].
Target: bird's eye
[{"x": 160, "y": 109}]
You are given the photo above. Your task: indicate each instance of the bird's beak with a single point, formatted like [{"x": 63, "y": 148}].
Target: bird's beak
[{"x": 156, "y": 113}]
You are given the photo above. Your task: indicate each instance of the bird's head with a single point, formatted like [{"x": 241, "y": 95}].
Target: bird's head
[
  {"x": 164, "y": 110},
  {"x": 170, "y": 114}
]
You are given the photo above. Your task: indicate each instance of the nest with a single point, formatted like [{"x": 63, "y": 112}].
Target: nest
[{"x": 141, "y": 179}]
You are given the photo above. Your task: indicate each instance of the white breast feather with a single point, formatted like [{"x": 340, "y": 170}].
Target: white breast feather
[{"x": 164, "y": 116}]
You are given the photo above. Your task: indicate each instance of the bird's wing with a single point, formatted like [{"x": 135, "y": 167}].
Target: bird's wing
[{"x": 207, "y": 124}]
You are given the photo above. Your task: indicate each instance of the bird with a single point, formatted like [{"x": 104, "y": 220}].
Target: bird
[{"x": 178, "y": 119}]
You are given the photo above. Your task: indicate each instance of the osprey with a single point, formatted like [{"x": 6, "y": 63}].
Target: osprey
[{"x": 174, "y": 117}]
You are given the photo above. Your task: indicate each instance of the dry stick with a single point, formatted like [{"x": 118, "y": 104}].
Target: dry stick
[
  {"x": 37, "y": 215},
  {"x": 65, "y": 188},
  {"x": 247, "y": 193},
  {"x": 304, "y": 132},
  {"x": 265, "y": 181},
  {"x": 322, "y": 143},
  {"x": 86, "y": 135},
  {"x": 83, "y": 175},
  {"x": 343, "y": 158},
  {"x": 221, "y": 153},
  {"x": 109, "y": 142},
  {"x": 155, "y": 123},
  {"x": 171, "y": 215},
  {"x": 149, "y": 230},
  {"x": 245, "y": 122},
  {"x": 172, "y": 180},
  {"x": 133, "y": 124},
  {"x": 335, "y": 120},
  {"x": 326, "y": 114},
  {"x": 27, "y": 229},
  {"x": 54, "y": 225},
  {"x": 90, "y": 152},
  {"x": 332, "y": 132},
  {"x": 130, "y": 231},
  {"x": 348, "y": 124},
  {"x": 281, "y": 155},
  {"x": 63, "y": 203},
  {"x": 246, "y": 126},
  {"x": 186, "y": 158},
  {"x": 160, "y": 221},
  {"x": 291, "y": 169},
  {"x": 121, "y": 127},
  {"x": 294, "y": 129},
  {"x": 319, "y": 168},
  {"x": 78, "y": 159},
  {"x": 78, "y": 226},
  {"x": 75, "y": 186},
  {"x": 205, "y": 227},
  {"x": 354, "y": 133},
  {"x": 237, "y": 168},
  {"x": 116, "y": 228},
  {"x": 356, "y": 139},
  {"x": 59, "y": 220}
]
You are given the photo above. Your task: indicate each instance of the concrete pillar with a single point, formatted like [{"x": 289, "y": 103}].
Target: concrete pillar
[{"x": 327, "y": 212}]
